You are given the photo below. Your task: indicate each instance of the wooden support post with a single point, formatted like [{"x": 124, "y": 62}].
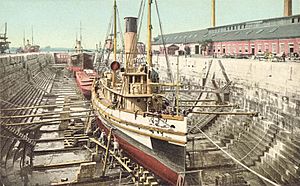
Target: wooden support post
[
  {"x": 193, "y": 145},
  {"x": 106, "y": 152},
  {"x": 65, "y": 123}
]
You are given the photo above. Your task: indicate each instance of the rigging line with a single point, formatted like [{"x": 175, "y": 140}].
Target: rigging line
[
  {"x": 106, "y": 37},
  {"x": 237, "y": 161},
  {"x": 140, "y": 10},
  {"x": 254, "y": 146},
  {"x": 132, "y": 46},
  {"x": 121, "y": 32},
  {"x": 170, "y": 76},
  {"x": 141, "y": 18}
]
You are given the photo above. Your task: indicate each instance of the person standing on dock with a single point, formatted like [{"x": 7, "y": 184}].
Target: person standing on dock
[
  {"x": 102, "y": 137},
  {"x": 116, "y": 146},
  {"x": 283, "y": 56}
]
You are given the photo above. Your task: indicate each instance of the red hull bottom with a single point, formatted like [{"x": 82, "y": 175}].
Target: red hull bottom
[
  {"x": 144, "y": 159},
  {"x": 86, "y": 93}
]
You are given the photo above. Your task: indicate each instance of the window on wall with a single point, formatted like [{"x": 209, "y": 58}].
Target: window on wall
[
  {"x": 266, "y": 47},
  {"x": 246, "y": 49},
  {"x": 274, "y": 48},
  {"x": 291, "y": 48},
  {"x": 281, "y": 48},
  {"x": 240, "y": 49},
  {"x": 259, "y": 48}
]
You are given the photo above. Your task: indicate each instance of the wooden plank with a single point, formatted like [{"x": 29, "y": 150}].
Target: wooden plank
[
  {"x": 46, "y": 122},
  {"x": 45, "y": 106}
]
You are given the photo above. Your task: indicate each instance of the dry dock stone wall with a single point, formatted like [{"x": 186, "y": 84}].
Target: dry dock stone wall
[
  {"x": 18, "y": 70},
  {"x": 270, "y": 144},
  {"x": 272, "y": 88}
]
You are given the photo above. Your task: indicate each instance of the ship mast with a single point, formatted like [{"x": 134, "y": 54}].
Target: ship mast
[
  {"x": 149, "y": 48},
  {"x": 115, "y": 42},
  {"x": 115, "y": 30},
  {"x": 31, "y": 34},
  {"x": 5, "y": 31},
  {"x": 24, "y": 43},
  {"x": 80, "y": 32}
]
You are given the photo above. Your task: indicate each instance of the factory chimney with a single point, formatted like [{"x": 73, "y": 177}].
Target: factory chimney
[
  {"x": 213, "y": 13},
  {"x": 288, "y": 7}
]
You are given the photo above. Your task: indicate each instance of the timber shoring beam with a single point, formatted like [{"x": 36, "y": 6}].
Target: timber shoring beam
[
  {"x": 45, "y": 106},
  {"x": 45, "y": 114},
  {"x": 183, "y": 90},
  {"x": 207, "y": 106},
  {"x": 51, "y": 151},
  {"x": 195, "y": 100},
  {"x": 211, "y": 167},
  {"x": 59, "y": 165},
  {"x": 46, "y": 122},
  {"x": 62, "y": 138},
  {"x": 228, "y": 113}
]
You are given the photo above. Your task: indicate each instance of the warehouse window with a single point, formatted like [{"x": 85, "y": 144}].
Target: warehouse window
[
  {"x": 274, "y": 48},
  {"x": 246, "y": 48},
  {"x": 291, "y": 48},
  {"x": 259, "y": 48},
  {"x": 281, "y": 48},
  {"x": 266, "y": 47}
]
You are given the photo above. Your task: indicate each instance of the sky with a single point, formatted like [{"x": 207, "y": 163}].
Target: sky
[{"x": 56, "y": 22}]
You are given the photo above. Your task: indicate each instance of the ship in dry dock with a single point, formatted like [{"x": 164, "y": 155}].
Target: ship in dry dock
[
  {"x": 146, "y": 128},
  {"x": 4, "y": 44},
  {"x": 217, "y": 112}
]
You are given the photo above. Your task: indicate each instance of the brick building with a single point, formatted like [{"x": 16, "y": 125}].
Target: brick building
[{"x": 276, "y": 35}]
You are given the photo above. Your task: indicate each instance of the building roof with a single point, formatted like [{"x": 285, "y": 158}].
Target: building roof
[{"x": 275, "y": 28}]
